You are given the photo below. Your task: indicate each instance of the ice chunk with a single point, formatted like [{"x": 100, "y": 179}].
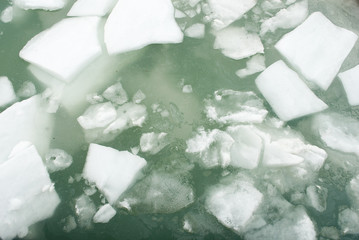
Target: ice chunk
[
  {"x": 7, "y": 15},
  {"x": 352, "y": 190},
  {"x": 25, "y": 121},
  {"x": 280, "y": 154},
  {"x": 227, "y": 11},
  {"x": 230, "y": 107},
  {"x": 57, "y": 160},
  {"x": 247, "y": 149},
  {"x": 317, "y": 48},
  {"x": 179, "y": 14},
  {"x": 350, "y": 81},
  {"x": 85, "y": 210},
  {"x": 91, "y": 8},
  {"x": 104, "y": 214},
  {"x": 330, "y": 233},
  {"x": 7, "y": 94},
  {"x": 27, "y": 194},
  {"x": 112, "y": 171},
  {"x": 26, "y": 90},
  {"x": 286, "y": 18},
  {"x": 287, "y": 94},
  {"x": 254, "y": 65},
  {"x": 237, "y": 43},
  {"x": 212, "y": 148},
  {"x": 295, "y": 225},
  {"x": 233, "y": 203},
  {"x": 187, "y": 89},
  {"x": 348, "y": 220},
  {"x": 269, "y": 5},
  {"x": 196, "y": 30},
  {"x": 153, "y": 142},
  {"x": 99, "y": 115},
  {"x": 49, "y": 5},
  {"x": 138, "y": 97},
  {"x": 65, "y": 48},
  {"x": 317, "y": 197},
  {"x": 69, "y": 223},
  {"x": 116, "y": 94},
  {"x": 152, "y": 21}
]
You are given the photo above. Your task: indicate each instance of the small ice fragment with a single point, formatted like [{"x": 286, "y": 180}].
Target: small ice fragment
[
  {"x": 190, "y": 13},
  {"x": 269, "y": 5},
  {"x": 7, "y": 15},
  {"x": 193, "y": 3},
  {"x": 330, "y": 233},
  {"x": 254, "y": 65},
  {"x": 91, "y": 8},
  {"x": 233, "y": 203},
  {"x": 153, "y": 142},
  {"x": 69, "y": 223},
  {"x": 104, "y": 214},
  {"x": 350, "y": 81},
  {"x": 65, "y": 48},
  {"x": 286, "y": 18},
  {"x": 94, "y": 98},
  {"x": 116, "y": 94},
  {"x": 85, "y": 210},
  {"x": 348, "y": 220},
  {"x": 152, "y": 21},
  {"x": 89, "y": 191},
  {"x": 112, "y": 171},
  {"x": 317, "y": 48},
  {"x": 7, "y": 94},
  {"x": 187, "y": 89},
  {"x": 196, "y": 30},
  {"x": 317, "y": 197},
  {"x": 287, "y": 94},
  {"x": 99, "y": 115},
  {"x": 26, "y": 90},
  {"x": 48, "y": 5},
  {"x": 352, "y": 190},
  {"x": 179, "y": 14},
  {"x": 237, "y": 43},
  {"x": 138, "y": 97},
  {"x": 225, "y": 12},
  {"x": 57, "y": 160}
]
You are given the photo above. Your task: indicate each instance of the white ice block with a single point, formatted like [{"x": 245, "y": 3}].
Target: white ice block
[
  {"x": 111, "y": 170},
  {"x": 49, "y": 5},
  {"x": 196, "y": 30},
  {"x": 91, "y": 8},
  {"x": 237, "y": 43},
  {"x": 104, "y": 214},
  {"x": 65, "y": 48},
  {"x": 134, "y": 24},
  {"x": 317, "y": 48},
  {"x": 7, "y": 94},
  {"x": 27, "y": 193},
  {"x": 350, "y": 81},
  {"x": 287, "y": 94}
]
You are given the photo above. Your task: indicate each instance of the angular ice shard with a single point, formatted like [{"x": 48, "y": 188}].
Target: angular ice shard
[
  {"x": 286, "y": 18},
  {"x": 27, "y": 193},
  {"x": 196, "y": 30},
  {"x": 295, "y": 225},
  {"x": 25, "y": 121},
  {"x": 237, "y": 43},
  {"x": 111, "y": 170},
  {"x": 49, "y": 5},
  {"x": 317, "y": 197},
  {"x": 7, "y": 94},
  {"x": 104, "y": 214},
  {"x": 350, "y": 81},
  {"x": 134, "y": 24},
  {"x": 66, "y": 48},
  {"x": 227, "y": 11},
  {"x": 91, "y": 8},
  {"x": 254, "y": 65},
  {"x": 317, "y": 48},
  {"x": 231, "y": 107},
  {"x": 99, "y": 115},
  {"x": 233, "y": 203},
  {"x": 153, "y": 142},
  {"x": 85, "y": 210},
  {"x": 57, "y": 160},
  {"x": 116, "y": 94},
  {"x": 287, "y": 94}
]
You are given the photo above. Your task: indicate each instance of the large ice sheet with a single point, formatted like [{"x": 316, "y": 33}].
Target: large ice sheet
[
  {"x": 7, "y": 94},
  {"x": 91, "y": 7},
  {"x": 317, "y": 48},
  {"x": 65, "y": 48},
  {"x": 25, "y": 121},
  {"x": 227, "y": 11},
  {"x": 49, "y": 5},
  {"x": 27, "y": 194},
  {"x": 111, "y": 170},
  {"x": 350, "y": 81},
  {"x": 134, "y": 24},
  {"x": 287, "y": 94}
]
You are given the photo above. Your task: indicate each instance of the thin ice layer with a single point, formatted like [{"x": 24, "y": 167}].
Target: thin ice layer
[
  {"x": 65, "y": 48},
  {"x": 350, "y": 81},
  {"x": 287, "y": 94},
  {"x": 25, "y": 121},
  {"x": 91, "y": 8},
  {"x": 27, "y": 194},
  {"x": 317, "y": 48},
  {"x": 49, "y": 5},
  {"x": 134, "y": 24},
  {"x": 112, "y": 171}
]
